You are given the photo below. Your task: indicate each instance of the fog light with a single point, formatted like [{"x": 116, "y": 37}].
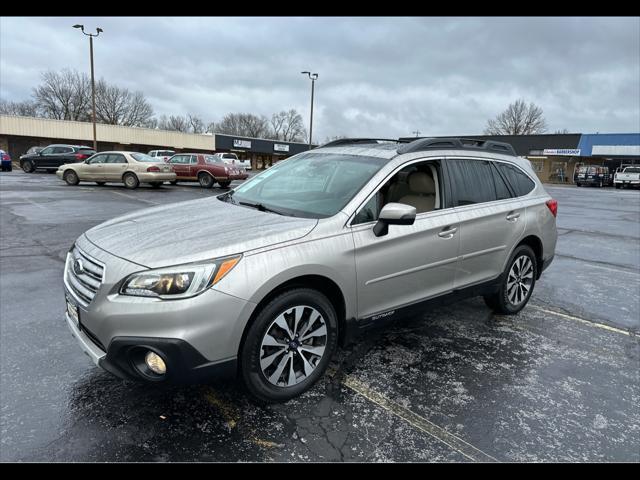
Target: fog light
[{"x": 155, "y": 363}]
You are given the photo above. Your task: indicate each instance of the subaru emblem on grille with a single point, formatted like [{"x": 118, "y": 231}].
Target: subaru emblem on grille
[{"x": 78, "y": 267}]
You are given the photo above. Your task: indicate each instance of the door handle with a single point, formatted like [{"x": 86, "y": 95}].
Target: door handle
[
  {"x": 448, "y": 232},
  {"x": 513, "y": 216}
]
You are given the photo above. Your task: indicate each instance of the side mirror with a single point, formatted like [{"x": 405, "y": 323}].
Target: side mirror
[{"x": 394, "y": 214}]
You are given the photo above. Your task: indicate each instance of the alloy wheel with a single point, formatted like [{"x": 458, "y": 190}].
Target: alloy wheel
[
  {"x": 293, "y": 346},
  {"x": 519, "y": 280}
]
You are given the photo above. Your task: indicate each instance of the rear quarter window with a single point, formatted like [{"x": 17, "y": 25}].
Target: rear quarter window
[{"x": 520, "y": 183}]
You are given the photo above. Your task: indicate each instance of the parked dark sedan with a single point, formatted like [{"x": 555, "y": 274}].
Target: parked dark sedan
[{"x": 53, "y": 156}]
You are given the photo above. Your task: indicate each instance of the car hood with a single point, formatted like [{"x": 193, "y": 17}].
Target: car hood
[{"x": 194, "y": 231}]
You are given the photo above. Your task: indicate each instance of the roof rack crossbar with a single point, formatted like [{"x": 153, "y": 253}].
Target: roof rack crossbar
[
  {"x": 356, "y": 141},
  {"x": 456, "y": 144}
]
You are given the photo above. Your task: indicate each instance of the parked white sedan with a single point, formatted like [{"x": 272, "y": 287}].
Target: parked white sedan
[{"x": 130, "y": 168}]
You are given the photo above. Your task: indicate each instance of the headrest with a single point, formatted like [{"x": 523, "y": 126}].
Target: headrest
[{"x": 420, "y": 182}]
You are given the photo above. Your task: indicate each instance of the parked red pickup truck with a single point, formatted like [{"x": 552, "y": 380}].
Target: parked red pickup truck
[{"x": 205, "y": 169}]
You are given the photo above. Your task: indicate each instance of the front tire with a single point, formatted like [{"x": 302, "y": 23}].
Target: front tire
[
  {"x": 101, "y": 183},
  {"x": 289, "y": 345},
  {"x": 28, "y": 166},
  {"x": 71, "y": 177},
  {"x": 517, "y": 284},
  {"x": 130, "y": 181}
]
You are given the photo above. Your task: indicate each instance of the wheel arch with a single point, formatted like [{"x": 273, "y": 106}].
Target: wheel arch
[
  {"x": 535, "y": 243},
  {"x": 321, "y": 283}
]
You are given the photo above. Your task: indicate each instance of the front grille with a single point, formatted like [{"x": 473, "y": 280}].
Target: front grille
[{"x": 84, "y": 284}]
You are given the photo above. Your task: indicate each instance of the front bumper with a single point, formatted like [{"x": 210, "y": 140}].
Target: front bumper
[{"x": 197, "y": 337}]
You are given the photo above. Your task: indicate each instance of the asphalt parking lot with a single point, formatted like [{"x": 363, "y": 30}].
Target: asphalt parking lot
[{"x": 558, "y": 382}]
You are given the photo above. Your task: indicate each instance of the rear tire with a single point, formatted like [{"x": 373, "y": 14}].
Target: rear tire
[
  {"x": 174, "y": 182},
  {"x": 617, "y": 185},
  {"x": 206, "y": 180},
  {"x": 156, "y": 184},
  {"x": 224, "y": 184},
  {"x": 28, "y": 166},
  {"x": 71, "y": 177},
  {"x": 130, "y": 181},
  {"x": 518, "y": 281},
  {"x": 289, "y": 345}
]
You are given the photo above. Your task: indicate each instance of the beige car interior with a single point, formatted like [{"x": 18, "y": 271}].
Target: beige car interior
[{"x": 417, "y": 187}]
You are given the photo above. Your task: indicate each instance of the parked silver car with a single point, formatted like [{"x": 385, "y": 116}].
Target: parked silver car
[{"x": 267, "y": 279}]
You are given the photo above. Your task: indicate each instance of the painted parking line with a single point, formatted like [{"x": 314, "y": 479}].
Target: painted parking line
[
  {"x": 135, "y": 198},
  {"x": 418, "y": 422},
  {"x": 582, "y": 320}
]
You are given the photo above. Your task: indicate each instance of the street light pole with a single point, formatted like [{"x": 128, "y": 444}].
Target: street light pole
[
  {"x": 93, "y": 82},
  {"x": 313, "y": 77}
]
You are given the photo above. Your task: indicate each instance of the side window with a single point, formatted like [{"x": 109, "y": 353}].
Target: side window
[
  {"x": 194, "y": 159},
  {"x": 370, "y": 211},
  {"x": 175, "y": 159},
  {"x": 152, "y": 153},
  {"x": 502, "y": 190},
  {"x": 519, "y": 181},
  {"x": 418, "y": 185},
  {"x": 48, "y": 151},
  {"x": 472, "y": 181},
  {"x": 62, "y": 150},
  {"x": 98, "y": 159},
  {"x": 116, "y": 158}
]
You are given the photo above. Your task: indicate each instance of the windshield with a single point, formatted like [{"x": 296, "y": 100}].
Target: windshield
[
  {"x": 313, "y": 185},
  {"x": 143, "y": 157}
]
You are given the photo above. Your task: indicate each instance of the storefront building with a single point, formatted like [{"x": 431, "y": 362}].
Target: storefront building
[
  {"x": 262, "y": 153},
  {"x": 555, "y": 157}
]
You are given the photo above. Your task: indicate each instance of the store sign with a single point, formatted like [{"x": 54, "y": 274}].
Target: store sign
[
  {"x": 241, "y": 143},
  {"x": 572, "y": 152},
  {"x": 279, "y": 147}
]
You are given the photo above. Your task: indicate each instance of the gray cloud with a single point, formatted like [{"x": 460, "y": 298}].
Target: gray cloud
[{"x": 378, "y": 76}]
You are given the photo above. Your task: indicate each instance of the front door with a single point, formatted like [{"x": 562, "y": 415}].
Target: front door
[
  {"x": 113, "y": 168},
  {"x": 411, "y": 262},
  {"x": 94, "y": 170}
]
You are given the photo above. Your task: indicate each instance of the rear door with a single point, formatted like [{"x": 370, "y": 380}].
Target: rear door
[
  {"x": 61, "y": 155},
  {"x": 491, "y": 220}
]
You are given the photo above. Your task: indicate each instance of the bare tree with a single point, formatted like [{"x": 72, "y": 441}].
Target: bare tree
[
  {"x": 196, "y": 125},
  {"x": 288, "y": 126},
  {"x": 174, "y": 122},
  {"x": 64, "y": 95},
  {"x": 335, "y": 137},
  {"x": 244, "y": 124},
  {"x": 518, "y": 119},
  {"x": 119, "y": 106},
  {"x": 211, "y": 127},
  {"x": 26, "y": 108},
  {"x": 563, "y": 131}
]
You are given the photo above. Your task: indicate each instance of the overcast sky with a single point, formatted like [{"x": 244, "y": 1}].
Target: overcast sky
[{"x": 382, "y": 77}]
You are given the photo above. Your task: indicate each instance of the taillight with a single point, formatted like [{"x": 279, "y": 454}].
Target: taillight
[
  {"x": 553, "y": 207},
  {"x": 153, "y": 169},
  {"x": 81, "y": 156}
]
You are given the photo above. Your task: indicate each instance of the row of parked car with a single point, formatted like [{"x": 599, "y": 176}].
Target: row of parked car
[{"x": 77, "y": 163}]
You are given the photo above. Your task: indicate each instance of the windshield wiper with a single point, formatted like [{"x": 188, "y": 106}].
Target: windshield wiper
[{"x": 261, "y": 207}]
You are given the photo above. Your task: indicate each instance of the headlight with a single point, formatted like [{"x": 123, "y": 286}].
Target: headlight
[{"x": 181, "y": 281}]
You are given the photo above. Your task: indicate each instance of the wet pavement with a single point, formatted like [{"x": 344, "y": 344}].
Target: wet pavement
[{"x": 558, "y": 382}]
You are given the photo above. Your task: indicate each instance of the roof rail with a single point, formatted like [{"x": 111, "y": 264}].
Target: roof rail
[
  {"x": 455, "y": 143},
  {"x": 356, "y": 141}
]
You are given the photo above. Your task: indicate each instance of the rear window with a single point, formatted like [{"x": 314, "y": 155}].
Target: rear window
[
  {"x": 211, "y": 159},
  {"x": 143, "y": 157},
  {"x": 231, "y": 156},
  {"x": 632, "y": 170},
  {"x": 520, "y": 183},
  {"x": 86, "y": 151},
  {"x": 165, "y": 153}
]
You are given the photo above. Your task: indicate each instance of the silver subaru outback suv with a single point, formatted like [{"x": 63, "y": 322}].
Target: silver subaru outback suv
[{"x": 266, "y": 280}]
